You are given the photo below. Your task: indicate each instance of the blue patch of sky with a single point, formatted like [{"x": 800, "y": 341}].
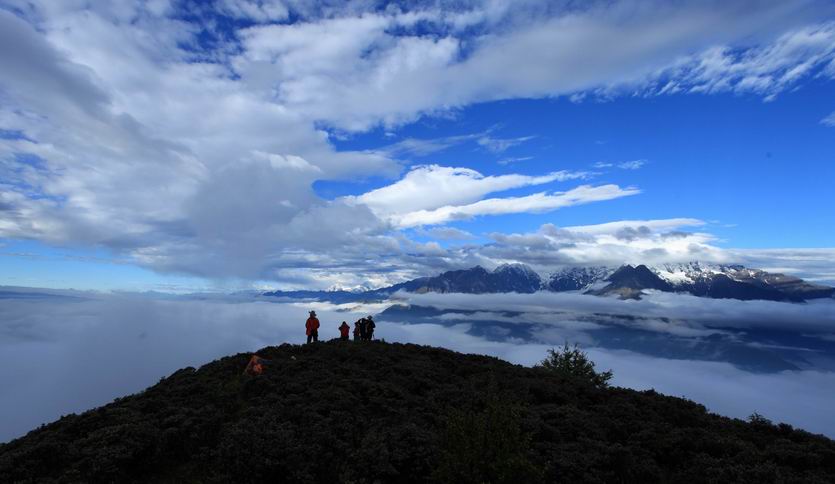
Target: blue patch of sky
[
  {"x": 12, "y": 134},
  {"x": 762, "y": 170},
  {"x": 34, "y": 264}
]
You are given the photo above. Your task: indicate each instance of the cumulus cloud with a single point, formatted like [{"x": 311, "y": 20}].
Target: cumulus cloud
[
  {"x": 538, "y": 202},
  {"x": 629, "y": 48},
  {"x": 612, "y": 243},
  {"x": 190, "y": 148},
  {"x": 407, "y": 201}
]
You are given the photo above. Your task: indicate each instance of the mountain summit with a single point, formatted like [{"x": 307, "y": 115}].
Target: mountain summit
[
  {"x": 378, "y": 412},
  {"x": 629, "y": 282}
]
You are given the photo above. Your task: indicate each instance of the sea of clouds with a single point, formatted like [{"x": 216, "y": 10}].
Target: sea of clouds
[{"x": 70, "y": 352}]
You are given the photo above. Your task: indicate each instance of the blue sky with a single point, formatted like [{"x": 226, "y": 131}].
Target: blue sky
[{"x": 179, "y": 145}]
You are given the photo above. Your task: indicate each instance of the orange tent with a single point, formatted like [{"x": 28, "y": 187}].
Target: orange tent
[{"x": 256, "y": 365}]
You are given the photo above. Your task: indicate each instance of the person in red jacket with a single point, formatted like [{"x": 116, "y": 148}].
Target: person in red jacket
[
  {"x": 312, "y": 327},
  {"x": 343, "y": 331}
]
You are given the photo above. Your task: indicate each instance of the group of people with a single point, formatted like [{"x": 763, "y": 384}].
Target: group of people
[{"x": 363, "y": 329}]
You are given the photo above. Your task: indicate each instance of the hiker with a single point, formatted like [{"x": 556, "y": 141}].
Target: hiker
[
  {"x": 363, "y": 326},
  {"x": 312, "y": 327},
  {"x": 343, "y": 331},
  {"x": 369, "y": 328}
]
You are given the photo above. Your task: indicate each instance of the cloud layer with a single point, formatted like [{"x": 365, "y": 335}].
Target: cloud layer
[{"x": 75, "y": 341}]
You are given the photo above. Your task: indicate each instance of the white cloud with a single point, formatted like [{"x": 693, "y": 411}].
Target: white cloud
[
  {"x": 829, "y": 120},
  {"x": 198, "y": 156},
  {"x": 690, "y": 312},
  {"x": 611, "y": 228},
  {"x": 610, "y": 244},
  {"x": 629, "y": 48},
  {"x": 423, "y": 147},
  {"x": 516, "y": 159},
  {"x": 766, "y": 69},
  {"x": 632, "y": 165},
  {"x": 538, "y": 202},
  {"x": 499, "y": 145},
  {"x": 625, "y": 165},
  {"x": 257, "y": 10},
  {"x": 815, "y": 265},
  {"x": 432, "y": 186}
]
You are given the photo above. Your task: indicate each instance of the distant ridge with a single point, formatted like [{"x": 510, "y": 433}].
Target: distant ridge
[{"x": 728, "y": 281}]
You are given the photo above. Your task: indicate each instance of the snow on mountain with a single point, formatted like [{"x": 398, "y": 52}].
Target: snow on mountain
[
  {"x": 518, "y": 269},
  {"x": 692, "y": 272},
  {"x": 578, "y": 278},
  {"x": 722, "y": 281}
]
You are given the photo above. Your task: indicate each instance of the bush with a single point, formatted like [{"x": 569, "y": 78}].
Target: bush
[{"x": 574, "y": 362}]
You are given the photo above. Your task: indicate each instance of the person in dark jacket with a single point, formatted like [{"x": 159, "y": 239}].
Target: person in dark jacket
[
  {"x": 363, "y": 329},
  {"x": 357, "y": 332},
  {"x": 369, "y": 328},
  {"x": 312, "y": 327},
  {"x": 344, "y": 329}
]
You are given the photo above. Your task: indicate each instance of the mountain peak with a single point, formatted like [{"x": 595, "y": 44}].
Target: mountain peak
[
  {"x": 515, "y": 267},
  {"x": 731, "y": 281}
]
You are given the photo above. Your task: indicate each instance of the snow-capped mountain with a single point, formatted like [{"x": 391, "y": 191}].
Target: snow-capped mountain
[
  {"x": 577, "y": 278},
  {"x": 695, "y": 276},
  {"x": 478, "y": 280},
  {"x": 719, "y": 281}
]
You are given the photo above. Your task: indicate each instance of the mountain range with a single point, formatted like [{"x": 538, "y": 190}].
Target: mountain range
[{"x": 719, "y": 281}]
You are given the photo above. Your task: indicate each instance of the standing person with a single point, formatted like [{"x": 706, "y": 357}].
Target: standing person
[
  {"x": 362, "y": 324},
  {"x": 369, "y": 328},
  {"x": 343, "y": 331},
  {"x": 312, "y": 327},
  {"x": 357, "y": 334}
]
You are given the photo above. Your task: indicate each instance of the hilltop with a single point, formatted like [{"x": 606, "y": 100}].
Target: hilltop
[{"x": 379, "y": 412}]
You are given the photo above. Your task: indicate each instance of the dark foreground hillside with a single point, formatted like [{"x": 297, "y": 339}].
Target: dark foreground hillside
[{"x": 377, "y": 412}]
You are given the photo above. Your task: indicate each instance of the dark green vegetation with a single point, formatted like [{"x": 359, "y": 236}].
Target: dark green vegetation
[
  {"x": 574, "y": 361},
  {"x": 377, "y": 412}
]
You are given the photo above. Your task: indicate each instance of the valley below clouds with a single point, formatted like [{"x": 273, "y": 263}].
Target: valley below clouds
[{"x": 67, "y": 351}]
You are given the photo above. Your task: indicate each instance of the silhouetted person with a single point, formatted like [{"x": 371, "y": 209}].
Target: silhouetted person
[
  {"x": 369, "y": 328},
  {"x": 363, "y": 329},
  {"x": 344, "y": 329},
  {"x": 312, "y": 327},
  {"x": 357, "y": 334}
]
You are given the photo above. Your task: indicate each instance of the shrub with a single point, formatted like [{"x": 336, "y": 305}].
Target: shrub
[{"x": 575, "y": 362}]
